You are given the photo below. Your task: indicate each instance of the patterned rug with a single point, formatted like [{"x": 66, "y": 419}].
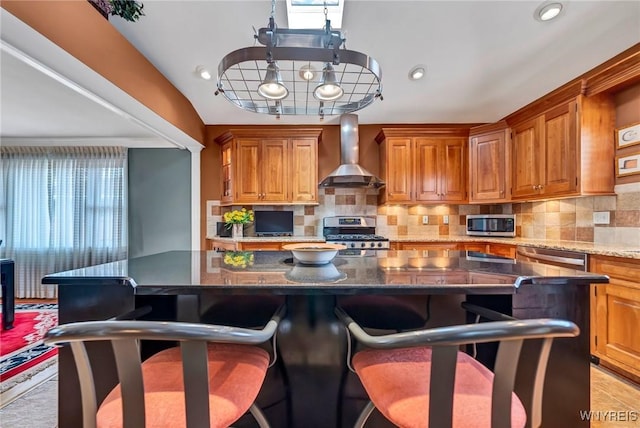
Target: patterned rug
[{"x": 25, "y": 361}]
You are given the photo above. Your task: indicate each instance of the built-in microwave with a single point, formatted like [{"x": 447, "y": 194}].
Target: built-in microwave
[{"x": 491, "y": 225}]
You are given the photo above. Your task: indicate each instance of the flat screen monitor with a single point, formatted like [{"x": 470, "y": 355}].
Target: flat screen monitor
[{"x": 273, "y": 223}]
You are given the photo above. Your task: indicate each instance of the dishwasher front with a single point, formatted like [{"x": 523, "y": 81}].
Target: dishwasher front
[{"x": 562, "y": 258}]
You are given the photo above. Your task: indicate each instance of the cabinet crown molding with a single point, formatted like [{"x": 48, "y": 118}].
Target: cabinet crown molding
[
  {"x": 269, "y": 133},
  {"x": 444, "y": 131}
]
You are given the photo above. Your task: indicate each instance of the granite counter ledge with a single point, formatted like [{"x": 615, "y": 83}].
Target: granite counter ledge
[
  {"x": 393, "y": 272},
  {"x": 614, "y": 250}
]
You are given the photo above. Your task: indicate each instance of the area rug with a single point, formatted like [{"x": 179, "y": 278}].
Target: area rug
[{"x": 25, "y": 361}]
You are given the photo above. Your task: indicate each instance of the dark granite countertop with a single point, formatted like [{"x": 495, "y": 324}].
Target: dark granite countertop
[{"x": 186, "y": 272}]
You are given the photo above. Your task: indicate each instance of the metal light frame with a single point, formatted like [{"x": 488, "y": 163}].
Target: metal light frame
[{"x": 242, "y": 71}]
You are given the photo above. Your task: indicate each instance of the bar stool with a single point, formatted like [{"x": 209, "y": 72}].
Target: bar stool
[
  {"x": 210, "y": 380},
  {"x": 253, "y": 311},
  {"x": 378, "y": 312},
  {"x": 422, "y": 379}
]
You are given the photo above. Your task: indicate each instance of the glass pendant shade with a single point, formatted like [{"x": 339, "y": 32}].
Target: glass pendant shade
[
  {"x": 272, "y": 87},
  {"x": 328, "y": 89}
]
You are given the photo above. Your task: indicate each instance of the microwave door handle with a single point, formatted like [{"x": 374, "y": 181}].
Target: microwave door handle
[{"x": 565, "y": 260}]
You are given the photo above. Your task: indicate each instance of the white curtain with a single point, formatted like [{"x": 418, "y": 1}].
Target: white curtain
[{"x": 61, "y": 208}]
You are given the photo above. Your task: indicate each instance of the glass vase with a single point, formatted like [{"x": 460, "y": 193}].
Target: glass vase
[{"x": 236, "y": 230}]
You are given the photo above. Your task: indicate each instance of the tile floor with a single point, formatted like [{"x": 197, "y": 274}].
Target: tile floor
[{"x": 609, "y": 393}]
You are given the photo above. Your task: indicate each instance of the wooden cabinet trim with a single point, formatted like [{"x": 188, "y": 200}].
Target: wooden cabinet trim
[
  {"x": 433, "y": 131},
  {"x": 488, "y": 128},
  {"x": 269, "y": 133},
  {"x": 549, "y": 101},
  {"x": 619, "y": 72}
]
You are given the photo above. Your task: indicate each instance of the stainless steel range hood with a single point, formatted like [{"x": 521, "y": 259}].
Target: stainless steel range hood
[{"x": 349, "y": 173}]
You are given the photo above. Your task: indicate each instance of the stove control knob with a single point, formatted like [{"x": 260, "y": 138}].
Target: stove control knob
[
  {"x": 372, "y": 245},
  {"x": 362, "y": 244},
  {"x": 352, "y": 245},
  {"x": 380, "y": 244}
]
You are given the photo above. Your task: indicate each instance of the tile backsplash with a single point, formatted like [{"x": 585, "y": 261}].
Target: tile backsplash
[{"x": 569, "y": 219}]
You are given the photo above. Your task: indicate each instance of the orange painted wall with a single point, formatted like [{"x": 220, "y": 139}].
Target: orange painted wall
[{"x": 79, "y": 29}]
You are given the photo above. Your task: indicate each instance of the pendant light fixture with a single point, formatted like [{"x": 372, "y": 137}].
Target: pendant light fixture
[
  {"x": 329, "y": 89},
  {"x": 278, "y": 78},
  {"x": 272, "y": 87}
]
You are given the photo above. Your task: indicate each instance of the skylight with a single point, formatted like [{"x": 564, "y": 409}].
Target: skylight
[{"x": 310, "y": 13}]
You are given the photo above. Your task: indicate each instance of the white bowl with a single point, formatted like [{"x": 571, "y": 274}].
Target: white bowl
[{"x": 314, "y": 253}]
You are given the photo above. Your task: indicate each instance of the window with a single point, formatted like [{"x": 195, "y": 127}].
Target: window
[{"x": 61, "y": 208}]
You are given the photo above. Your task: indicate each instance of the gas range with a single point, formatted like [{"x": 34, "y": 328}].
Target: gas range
[{"x": 358, "y": 232}]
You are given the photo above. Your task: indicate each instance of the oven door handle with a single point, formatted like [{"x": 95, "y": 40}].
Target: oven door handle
[{"x": 557, "y": 259}]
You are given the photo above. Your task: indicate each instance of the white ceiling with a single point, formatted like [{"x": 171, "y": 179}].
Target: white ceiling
[
  {"x": 485, "y": 59},
  {"x": 37, "y": 106}
]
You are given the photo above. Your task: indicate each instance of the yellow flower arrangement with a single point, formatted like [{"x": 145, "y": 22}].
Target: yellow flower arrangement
[
  {"x": 240, "y": 259},
  {"x": 242, "y": 216}
]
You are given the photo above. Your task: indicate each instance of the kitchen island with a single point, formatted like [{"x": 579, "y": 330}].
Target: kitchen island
[{"x": 184, "y": 285}]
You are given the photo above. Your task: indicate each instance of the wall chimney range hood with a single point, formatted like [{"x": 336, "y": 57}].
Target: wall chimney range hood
[{"x": 349, "y": 173}]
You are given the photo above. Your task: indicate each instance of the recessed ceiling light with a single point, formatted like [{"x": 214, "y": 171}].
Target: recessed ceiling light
[
  {"x": 307, "y": 72},
  {"x": 547, "y": 11},
  {"x": 417, "y": 72},
  {"x": 203, "y": 72}
]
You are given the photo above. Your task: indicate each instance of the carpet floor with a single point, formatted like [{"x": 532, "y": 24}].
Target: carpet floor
[{"x": 25, "y": 361}]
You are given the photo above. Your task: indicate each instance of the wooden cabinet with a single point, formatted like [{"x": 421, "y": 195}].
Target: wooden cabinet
[
  {"x": 423, "y": 165},
  {"x": 562, "y": 151},
  {"x": 489, "y": 164},
  {"x": 269, "y": 166},
  {"x": 615, "y": 314}
]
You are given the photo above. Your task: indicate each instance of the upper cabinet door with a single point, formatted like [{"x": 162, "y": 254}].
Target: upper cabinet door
[
  {"x": 428, "y": 166},
  {"x": 561, "y": 143},
  {"x": 227, "y": 173},
  {"x": 453, "y": 173},
  {"x": 528, "y": 157},
  {"x": 247, "y": 175},
  {"x": 399, "y": 170},
  {"x": 488, "y": 167},
  {"x": 274, "y": 163},
  {"x": 304, "y": 170}
]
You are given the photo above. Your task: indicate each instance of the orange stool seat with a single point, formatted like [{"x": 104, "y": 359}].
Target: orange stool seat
[
  {"x": 397, "y": 381},
  {"x": 236, "y": 373}
]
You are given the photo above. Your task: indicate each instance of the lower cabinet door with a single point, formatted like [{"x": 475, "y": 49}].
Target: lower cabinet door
[{"x": 617, "y": 339}]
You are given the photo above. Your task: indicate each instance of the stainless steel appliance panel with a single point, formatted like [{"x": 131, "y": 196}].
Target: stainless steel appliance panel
[{"x": 562, "y": 258}]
